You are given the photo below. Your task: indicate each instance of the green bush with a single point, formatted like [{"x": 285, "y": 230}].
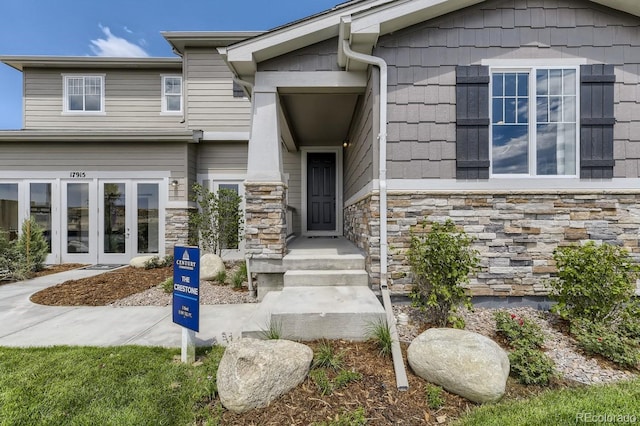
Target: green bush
[
  {"x": 12, "y": 265},
  {"x": 167, "y": 285},
  {"x": 326, "y": 357},
  {"x": 157, "y": 262},
  {"x": 531, "y": 366},
  {"x": 345, "y": 377},
  {"x": 519, "y": 332},
  {"x": 441, "y": 262},
  {"x": 321, "y": 381},
  {"x": 221, "y": 277},
  {"x": 237, "y": 279},
  {"x": 594, "y": 281},
  {"x": 604, "y": 339}
]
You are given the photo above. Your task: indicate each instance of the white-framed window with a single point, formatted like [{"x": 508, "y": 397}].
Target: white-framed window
[
  {"x": 171, "y": 94},
  {"x": 534, "y": 121},
  {"x": 83, "y": 93}
]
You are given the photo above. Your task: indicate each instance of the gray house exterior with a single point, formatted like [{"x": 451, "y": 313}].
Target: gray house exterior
[{"x": 517, "y": 119}]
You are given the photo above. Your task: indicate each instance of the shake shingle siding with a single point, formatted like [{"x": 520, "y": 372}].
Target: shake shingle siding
[
  {"x": 422, "y": 73},
  {"x": 321, "y": 56}
]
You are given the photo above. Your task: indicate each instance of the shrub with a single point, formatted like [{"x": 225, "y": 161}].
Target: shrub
[
  {"x": 12, "y": 265},
  {"x": 237, "y": 279},
  {"x": 345, "y": 377},
  {"x": 519, "y": 332},
  {"x": 272, "y": 331},
  {"x": 32, "y": 245},
  {"x": 434, "y": 396},
  {"x": 600, "y": 338},
  {"x": 531, "y": 366},
  {"x": 380, "y": 333},
  {"x": 594, "y": 281},
  {"x": 441, "y": 261},
  {"x": 167, "y": 285},
  {"x": 322, "y": 381}
]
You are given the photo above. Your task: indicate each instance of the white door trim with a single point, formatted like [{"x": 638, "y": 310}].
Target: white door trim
[{"x": 339, "y": 190}]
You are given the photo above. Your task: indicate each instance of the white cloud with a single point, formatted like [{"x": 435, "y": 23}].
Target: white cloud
[
  {"x": 116, "y": 46},
  {"x": 128, "y": 30}
]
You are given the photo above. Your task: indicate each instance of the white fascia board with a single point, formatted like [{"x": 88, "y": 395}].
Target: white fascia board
[
  {"x": 296, "y": 36},
  {"x": 311, "y": 79},
  {"x": 398, "y": 15},
  {"x": 524, "y": 185},
  {"x": 629, "y": 6},
  {"x": 225, "y": 136}
]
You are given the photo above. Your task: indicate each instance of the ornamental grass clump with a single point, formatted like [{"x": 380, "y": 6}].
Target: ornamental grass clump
[{"x": 442, "y": 261}]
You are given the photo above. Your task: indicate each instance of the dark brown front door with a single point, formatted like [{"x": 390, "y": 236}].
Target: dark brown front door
[{"x": 321, "y": 191}]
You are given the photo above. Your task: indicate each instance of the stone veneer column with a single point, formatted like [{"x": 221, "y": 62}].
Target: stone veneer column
[
  {"x": 265, "y": 220},
  {"x": 176, "y": 229}
]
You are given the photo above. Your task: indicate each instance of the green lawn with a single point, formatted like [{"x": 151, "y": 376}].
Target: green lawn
[
  {"x": 586, "y": 405},
  {"x": 135, "y": 385},
  {"x": 128, "y": 385}
]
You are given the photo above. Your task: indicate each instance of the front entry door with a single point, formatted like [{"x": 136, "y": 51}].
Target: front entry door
[{"x": 321, "y": 191}]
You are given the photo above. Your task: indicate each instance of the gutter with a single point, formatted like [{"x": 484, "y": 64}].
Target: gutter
[{"x": 402, "y": 382}]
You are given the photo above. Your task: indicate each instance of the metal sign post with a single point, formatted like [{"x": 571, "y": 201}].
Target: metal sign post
[{"x": 186, "y": 297}]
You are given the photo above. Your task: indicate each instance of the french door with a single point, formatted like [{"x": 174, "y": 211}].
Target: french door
[{"x": 110, "y": 220}]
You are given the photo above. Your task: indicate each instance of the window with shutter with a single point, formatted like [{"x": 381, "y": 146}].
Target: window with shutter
[{"x": 533, "y": 129}]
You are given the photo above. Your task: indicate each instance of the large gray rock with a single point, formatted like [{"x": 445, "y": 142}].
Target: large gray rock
[
  {"x": 140, "y": 261},
  {"x": 210, "y": 266},
  {"x": 465, "y": 363},
  {"x": 253, "y": 372}
]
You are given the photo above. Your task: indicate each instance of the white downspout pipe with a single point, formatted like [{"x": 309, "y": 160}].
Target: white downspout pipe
[
  {"x": 382, "y": 143},
  {"x": 402, "y": 382}
]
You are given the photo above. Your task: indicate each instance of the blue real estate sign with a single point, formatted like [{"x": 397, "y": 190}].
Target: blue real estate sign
[{"x": 186, "y": 287}]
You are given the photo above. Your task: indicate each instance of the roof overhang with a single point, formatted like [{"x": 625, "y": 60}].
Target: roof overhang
[
  {"x": 23, "y": 136},
  {"x": 359, "y": 22},
  {"x": 179, "y": 40},
  {"x": 89, "y": 62}
]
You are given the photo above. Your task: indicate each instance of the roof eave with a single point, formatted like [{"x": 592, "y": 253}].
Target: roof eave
[
  {"x": 180, "y": 40},
  {"x": 87, "y": 62},
  {"x": 22, "y": 136}
]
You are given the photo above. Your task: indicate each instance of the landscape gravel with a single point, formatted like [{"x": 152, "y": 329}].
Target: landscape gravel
[
  {"x": 210, "y": 294},
  {"x": 570, "y": 362}
]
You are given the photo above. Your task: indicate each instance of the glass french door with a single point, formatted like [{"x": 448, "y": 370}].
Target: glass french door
[{"x": 110, "y": 221}]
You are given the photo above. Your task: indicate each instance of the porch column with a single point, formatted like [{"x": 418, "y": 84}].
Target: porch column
[{"x": 265, "y": 227}]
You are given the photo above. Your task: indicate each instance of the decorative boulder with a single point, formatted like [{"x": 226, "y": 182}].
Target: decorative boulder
[
  {"x": 210, "y": 266},
  {"x": 253, "y": 372},
  {"x": 139, "y": 261},
  {"x": 465, "y": 363}
]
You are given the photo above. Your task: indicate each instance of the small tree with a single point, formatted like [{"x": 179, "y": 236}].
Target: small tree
[
  {"x": 219, "y": 221},
  {"x": 32, "y": 245},
  {"x": 441, "y": 261}
]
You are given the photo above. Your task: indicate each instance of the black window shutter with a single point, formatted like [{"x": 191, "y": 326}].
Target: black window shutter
[
  {"x": 472, "y": 122},
  {"x": 596, "y": 121},
  {"x": 238, "y": 92}
]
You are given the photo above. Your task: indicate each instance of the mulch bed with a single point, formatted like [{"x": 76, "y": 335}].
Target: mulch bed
[{"x": 102, "y": 289}]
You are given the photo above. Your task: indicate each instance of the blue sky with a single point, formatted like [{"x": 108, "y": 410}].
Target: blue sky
[{"x": 122, "y": 28}]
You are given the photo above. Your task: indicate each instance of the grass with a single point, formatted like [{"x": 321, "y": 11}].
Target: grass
[
  {"x": 115, "y": 385},
  {"x": 380, "y": 333},
  {"x": 326, "y": 357},
  {"x": 566, "y": 406},
  {"x": 272, "y": 330}
]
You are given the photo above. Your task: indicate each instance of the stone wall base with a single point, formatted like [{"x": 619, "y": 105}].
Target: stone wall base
[
  {"x": 362, "y": 227},
  {"x": 265, "y": 220},
  {"x": 176, "y": 230},
  {"x": 515, "y": 234}
]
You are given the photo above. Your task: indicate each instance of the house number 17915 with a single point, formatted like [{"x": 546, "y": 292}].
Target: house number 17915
[{"x": 77, "y": 174}]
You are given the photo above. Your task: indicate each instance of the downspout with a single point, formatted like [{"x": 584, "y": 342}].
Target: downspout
[{"x": 402, "y": 381}]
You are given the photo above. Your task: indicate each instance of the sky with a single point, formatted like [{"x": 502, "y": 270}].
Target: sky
[{"x": 122, "y": 28}]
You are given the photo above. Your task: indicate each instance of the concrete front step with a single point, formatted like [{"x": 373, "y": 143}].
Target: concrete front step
[
  {"x": 314, "y": 278},
  {"x": 309, "y": 313},
  {"x": 292, "y": 262}
]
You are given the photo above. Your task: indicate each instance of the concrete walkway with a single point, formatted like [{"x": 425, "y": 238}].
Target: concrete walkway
[{"x": 23, "y": 323}]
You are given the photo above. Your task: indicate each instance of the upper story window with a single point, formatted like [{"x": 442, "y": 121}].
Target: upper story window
[
  {"x": 534, "y": 121},
  {"x": 171, "y": 94},
  {"x": 84, "y": 93}
]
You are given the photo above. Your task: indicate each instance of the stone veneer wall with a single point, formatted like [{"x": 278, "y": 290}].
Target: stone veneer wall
[
  {"x": 362, "y": 227},
  {"x": 516, "y": 232},
  {"x": 265, "y": 220},
  {"x": 176, "y": 229}
]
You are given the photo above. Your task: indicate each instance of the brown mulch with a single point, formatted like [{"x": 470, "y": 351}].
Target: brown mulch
[{"x": 102, "y": 289}]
